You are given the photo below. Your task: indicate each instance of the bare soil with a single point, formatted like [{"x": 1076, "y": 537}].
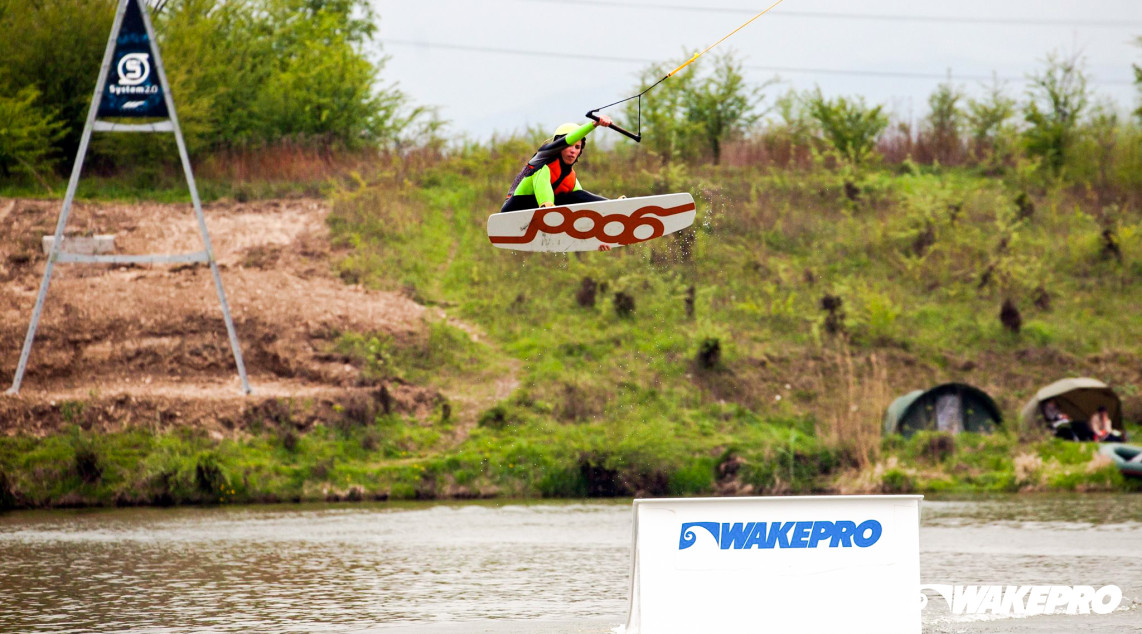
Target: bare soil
[{"x": 147, "y": 345}]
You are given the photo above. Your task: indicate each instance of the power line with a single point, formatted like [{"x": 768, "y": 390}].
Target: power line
[
  {"x": 772, "y": 69},
  {"x": 945, "y": 19}
]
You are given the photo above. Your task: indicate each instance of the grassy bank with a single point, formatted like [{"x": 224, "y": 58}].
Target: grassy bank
[
  {"x": 755, "y": 353},
  {"x": 391, "y": 459}
]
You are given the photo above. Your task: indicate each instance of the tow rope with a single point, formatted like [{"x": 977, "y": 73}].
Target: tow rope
[{"x": 637, "y": 136}]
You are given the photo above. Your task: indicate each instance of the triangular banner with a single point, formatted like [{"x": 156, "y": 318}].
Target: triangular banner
[{"x": 134, "y": 87}]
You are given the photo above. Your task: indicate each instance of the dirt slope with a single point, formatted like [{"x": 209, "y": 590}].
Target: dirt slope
[{"x": 120, "y": 345}]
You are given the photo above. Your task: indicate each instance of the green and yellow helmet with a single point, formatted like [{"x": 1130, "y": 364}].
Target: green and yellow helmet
[{"x": 567, "y": 128}]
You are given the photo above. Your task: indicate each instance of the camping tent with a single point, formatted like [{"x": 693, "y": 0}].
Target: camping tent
[
  {"x": 951, "y": 407},
  {"x": 1077, "y": 398}
]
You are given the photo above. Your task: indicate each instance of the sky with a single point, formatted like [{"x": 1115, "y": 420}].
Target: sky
[{"x": 494, "y": 67}]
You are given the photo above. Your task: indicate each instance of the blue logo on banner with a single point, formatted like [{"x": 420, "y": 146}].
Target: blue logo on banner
[
  {"x": 746, "y": 535},
  {"x": 133, "y": 88}
]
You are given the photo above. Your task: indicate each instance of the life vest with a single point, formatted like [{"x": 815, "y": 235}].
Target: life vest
[{"x": 561, "y": 183}]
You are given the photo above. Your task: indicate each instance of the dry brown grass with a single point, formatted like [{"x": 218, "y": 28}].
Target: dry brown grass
[
  {"x": 855, "y": 393},
  {"x": 768, "y": 150},
  {"x": 292, "y": 161},
  {"x": 284, "y": 161}
]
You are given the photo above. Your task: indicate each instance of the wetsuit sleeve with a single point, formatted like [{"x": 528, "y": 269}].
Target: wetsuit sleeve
[
  {"x": 582, "y": 132},
  {"x": 541, "y": 182}
]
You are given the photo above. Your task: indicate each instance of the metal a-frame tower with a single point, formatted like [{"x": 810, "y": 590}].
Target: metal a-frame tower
[{"x": 131, "y": 84}]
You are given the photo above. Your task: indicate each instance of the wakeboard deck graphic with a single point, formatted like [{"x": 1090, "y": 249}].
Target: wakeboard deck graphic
[{"x": 595, "y": 226}]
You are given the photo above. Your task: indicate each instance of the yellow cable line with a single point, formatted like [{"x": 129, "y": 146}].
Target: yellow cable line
[{"x": 747, "y": 22}]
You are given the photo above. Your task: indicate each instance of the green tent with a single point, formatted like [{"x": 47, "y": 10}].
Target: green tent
[
  {"x": 1078, "y": 398},
  {"x": 950, "y": 407}
]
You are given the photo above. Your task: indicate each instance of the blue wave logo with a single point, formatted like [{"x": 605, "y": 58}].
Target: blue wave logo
[
  {"x": 767, "y": 535},
  {"x": 687, "y": 538}
]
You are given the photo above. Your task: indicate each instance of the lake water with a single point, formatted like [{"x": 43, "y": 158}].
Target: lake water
[{"x": 484, "y": 567}]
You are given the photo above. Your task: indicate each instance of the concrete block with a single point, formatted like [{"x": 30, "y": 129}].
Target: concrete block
[{"x": 83, "y": 245}]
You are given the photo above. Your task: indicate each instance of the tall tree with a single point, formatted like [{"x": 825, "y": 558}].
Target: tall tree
[
  {"x": 723, "y": 106},
  {"x": 1057, "y": 98},
  {"x": 945, "y": 121}
]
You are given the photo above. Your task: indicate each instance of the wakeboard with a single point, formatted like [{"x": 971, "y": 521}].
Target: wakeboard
[{"x": 596, "y": 226}]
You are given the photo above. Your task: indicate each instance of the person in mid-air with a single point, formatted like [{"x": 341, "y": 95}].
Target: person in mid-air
[{"x": 549, "y": 178}]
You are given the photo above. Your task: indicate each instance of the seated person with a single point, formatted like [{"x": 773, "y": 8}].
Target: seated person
[
  {"x": 1061, "y": 423},
  {"x": 1100, "y": 427},
  {"x": 1052, "y": 412}
]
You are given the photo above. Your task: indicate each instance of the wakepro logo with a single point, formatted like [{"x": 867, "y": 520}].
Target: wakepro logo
[
  {"x": 1025, "y": 600},
  {"x": 766, "y": 535}
]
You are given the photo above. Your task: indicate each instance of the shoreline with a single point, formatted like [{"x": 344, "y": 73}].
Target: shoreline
[{"x": 139, "y": 467}]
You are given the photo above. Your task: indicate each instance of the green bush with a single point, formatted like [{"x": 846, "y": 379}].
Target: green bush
[
  {"x": 28, "y": 133},
  {"x": 692, "y": 479},
  {"x": 567, "y": 482},
  {"x": 988, "y": 121},
  {"x": 897, "y": 481},
  {"x": 848, "y": 125},
  {"x": 944, "y": 122},
  {"x": 1058, "y": 97}
]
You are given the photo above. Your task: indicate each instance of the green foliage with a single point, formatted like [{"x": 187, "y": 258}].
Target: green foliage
[
  {"x": 567, "y": 482},
  {"x": 666, "y": 129},
  {"x": 692, "y": 114},
  {"x": 442, "y": 350},
  {"x": 996, "y": 462},
  {"x": 794, "y": 117},
  {"x": 848, "y": 125},
  {"x": 54, "y": 47},
  {"x": 1096, "y": 146},
  {"x": 895, "y": 481},
  {"x": 1138, "y": 80},
  {"x": 944, "y": 121},
  {"x": 722, "y": 106},
  {"x": 988, "y": 116},
  {"x": 1066, "y": 452},
  {"x": 695, "y": 478},
  {"x": 27, "y": 134},
  {"x": 988, "y": 119},
  {"x": 1057, "y": 98},
  {"x": 255, "y": 72},
  {"x": 242, "y": 74}
]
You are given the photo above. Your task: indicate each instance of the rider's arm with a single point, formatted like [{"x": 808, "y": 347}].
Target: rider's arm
[
  {"x": 577, "y": 135},
  {"x": 541, "y": 182}
]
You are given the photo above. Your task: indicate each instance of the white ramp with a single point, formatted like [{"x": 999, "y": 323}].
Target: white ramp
[{"x": 776, "y": 564}]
